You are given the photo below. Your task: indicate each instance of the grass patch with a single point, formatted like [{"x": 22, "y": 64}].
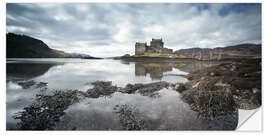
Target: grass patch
[{"x": 166, "y": 55}]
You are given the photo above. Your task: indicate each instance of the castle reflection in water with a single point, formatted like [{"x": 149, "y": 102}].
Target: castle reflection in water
[{"x": 156, "y": 70}]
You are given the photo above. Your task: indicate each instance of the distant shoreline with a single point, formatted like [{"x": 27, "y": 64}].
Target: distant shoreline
[
  {"x": 57, "y": 58},
  {"x": 163, "y": 59}
]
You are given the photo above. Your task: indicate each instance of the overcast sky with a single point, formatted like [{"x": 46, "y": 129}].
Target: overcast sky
[{"x": 112, "y": 29}]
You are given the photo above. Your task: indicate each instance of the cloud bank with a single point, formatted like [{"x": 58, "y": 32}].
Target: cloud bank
[{"x": 111, "y": 29}]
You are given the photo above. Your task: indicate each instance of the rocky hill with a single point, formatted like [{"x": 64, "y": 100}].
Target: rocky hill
[
  {"x": 236, "y": 51},
  {"x": 22, "y": 46}
]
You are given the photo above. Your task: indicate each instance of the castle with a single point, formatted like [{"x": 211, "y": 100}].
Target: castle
[{"x": 156, "y": 46}]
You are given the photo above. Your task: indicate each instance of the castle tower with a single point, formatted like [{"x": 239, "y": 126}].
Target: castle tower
[
  {"x": 156, "y": 43},
  {"x": 140, "y": 48}
]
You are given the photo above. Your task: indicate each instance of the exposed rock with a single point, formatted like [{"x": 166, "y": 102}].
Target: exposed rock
[
  {"x": 210, "y": 104},
  {"x": 46, "y": 111},
  {"x": 217, "y": 110},
  {"x": 180, "y": 87},
  {"x": 31, "y": 83},
  {"x": 131, "y": 88},
  {"x": 209, "y": 84},
  {"x": 241, "y": 77},
  {"x": 130, "y": 118},
  {"x": 247, "y": 100},
  {"x": 101, "y": 88},
  {"x": 41, "y": 84},
  {"x": 145, "y": 89},
  {"x": 27, "y": 84}
]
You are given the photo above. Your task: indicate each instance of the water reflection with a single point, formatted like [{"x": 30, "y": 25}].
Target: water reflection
[
  {"x": 191, "y": 66},
  {"x": 17, "y": 98},
  {"x": 26, "y": 71},
  {"x": 63, "y": 111},
  {"x": 157, "y": 70},
  {"x": 146, "y": 108},
  {"x": 46, "y": 110},
  {"x": 130, "y": 111}
]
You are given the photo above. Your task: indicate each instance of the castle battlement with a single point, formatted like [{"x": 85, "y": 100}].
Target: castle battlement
[
  {"x": 156, "y": 46},
  {"x": 141, "y": 44}
]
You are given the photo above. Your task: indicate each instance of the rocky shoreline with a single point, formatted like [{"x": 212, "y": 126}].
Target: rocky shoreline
[
  {"x": 242, "y": 78},
  {"x": 215, "y": 93}
]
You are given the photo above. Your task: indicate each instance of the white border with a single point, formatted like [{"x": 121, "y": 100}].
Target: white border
[{"x": 265, "y": 64}]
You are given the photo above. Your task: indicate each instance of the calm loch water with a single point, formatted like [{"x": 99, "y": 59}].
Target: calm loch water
[{"x": 164, "y": 111}]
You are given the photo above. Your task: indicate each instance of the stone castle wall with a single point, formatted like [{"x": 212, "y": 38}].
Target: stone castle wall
[
  {"x": 140, "y": 48},
  {"x": 156, "y": 43},
  {"x": 156, "y": 46},
  {"x": 166, "y": 50}
]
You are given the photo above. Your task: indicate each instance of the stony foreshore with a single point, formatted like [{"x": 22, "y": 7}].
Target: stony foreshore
[
  {"x": 214, "y": 93},
  {"x": 242, "y": 78}
]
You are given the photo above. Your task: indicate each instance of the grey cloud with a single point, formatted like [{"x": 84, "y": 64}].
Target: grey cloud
[{"x": 101, "y": 26}]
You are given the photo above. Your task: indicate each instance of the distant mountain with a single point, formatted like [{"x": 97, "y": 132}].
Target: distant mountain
[
  {"x": 81, "y": 55},
  {"x": 22, "y": 46},
  {"x": 236, "y": 51}
]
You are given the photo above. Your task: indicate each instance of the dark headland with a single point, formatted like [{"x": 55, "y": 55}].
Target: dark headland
[{"x": 23, "y": 46}]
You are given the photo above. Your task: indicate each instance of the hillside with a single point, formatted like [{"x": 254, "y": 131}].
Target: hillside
[
  {"x": 22, "y": 46},
  {"x": 236, "y": 51}
]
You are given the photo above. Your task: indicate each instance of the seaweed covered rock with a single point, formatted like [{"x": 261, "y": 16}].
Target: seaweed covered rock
[
  {"x": 145, "y": 89},
  {"x": 216, "y": 109},
  {"x": 31, "y": 83},
  {"x": 210, "y": 84},
  {"x": 241, "y": 77},
  {"x": 27, "y": 84},
  {"x": 248, "y": 100},
  {"x": 180, "y": 87},
  {"x": 101, "y": 88},
  {"x": 131, "y": 88},
  {"x": 41, "y": 85},
  {"x": 130, "y": 118},
  {"x": 210, "y": 104},
  {"x": 46, "y": 111}
]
